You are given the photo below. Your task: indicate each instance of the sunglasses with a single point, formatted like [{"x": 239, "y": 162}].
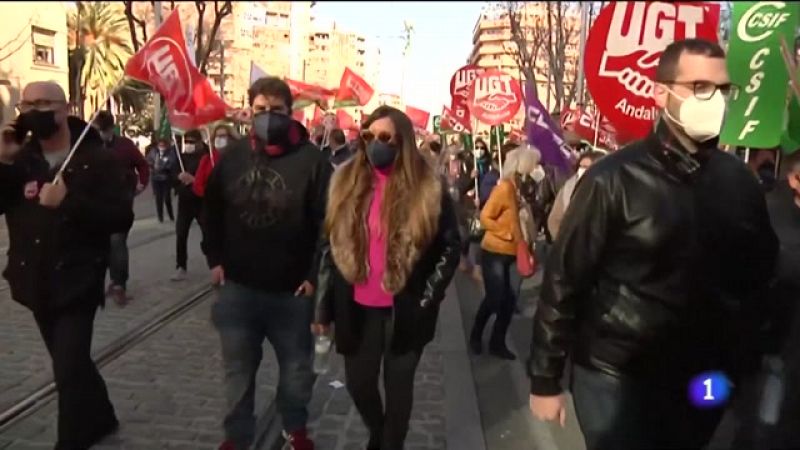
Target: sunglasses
[{"x": 367, "y": 136}]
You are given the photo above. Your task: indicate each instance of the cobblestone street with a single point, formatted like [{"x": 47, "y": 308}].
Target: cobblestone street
[{"x": 336, "y": 425}]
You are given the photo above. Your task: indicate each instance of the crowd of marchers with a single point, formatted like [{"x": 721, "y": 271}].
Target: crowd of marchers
[{"x": 662, "y": 260}]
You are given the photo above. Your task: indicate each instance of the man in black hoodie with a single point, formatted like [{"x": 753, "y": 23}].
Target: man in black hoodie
[
  {"x": 265, "y": 205},
  {"x": 59, "y": 227},
  {"x": 189, "y": 204}
]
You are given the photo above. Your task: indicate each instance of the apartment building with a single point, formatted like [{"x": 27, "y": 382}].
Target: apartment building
[
  {"x": 33, "y": 47},
  {"x": 493, "y": 47}
]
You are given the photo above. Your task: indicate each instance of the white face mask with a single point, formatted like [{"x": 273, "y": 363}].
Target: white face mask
[
  {"x": 220, "y": 142},
  {"x": 701, "y": 120},
  {"x": 538, "y": 174},
  {"x": 188, "y": 148},
  {"x": 581, "y": 171}
]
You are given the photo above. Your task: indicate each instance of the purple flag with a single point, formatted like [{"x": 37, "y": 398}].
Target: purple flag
[{"x": 544, "y": 134}]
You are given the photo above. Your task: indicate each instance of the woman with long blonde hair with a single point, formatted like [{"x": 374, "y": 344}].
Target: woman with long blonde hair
[
  {"x": 500, "y": 218},
  {"x": 390, "y": 248}
]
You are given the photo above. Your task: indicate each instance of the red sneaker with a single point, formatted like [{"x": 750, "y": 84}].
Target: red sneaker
[{"x": 297, "y": 440}]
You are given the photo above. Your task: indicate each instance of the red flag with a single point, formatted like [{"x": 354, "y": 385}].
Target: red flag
[
  {"x": 353, "y": 90},
  {"x": 299, "y": 115},
  {"x": 164, "y": 64},
  {"x": 305, "y": 94},
  {"x": 450, "y": 122},
  {"x": 318, "y": 115},
  {"x": 344, "y": 121},
  {"x": 418, "y": 117}
]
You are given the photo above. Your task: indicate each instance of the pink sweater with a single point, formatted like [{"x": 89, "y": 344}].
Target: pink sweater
[{"x": 371, "y": 293}]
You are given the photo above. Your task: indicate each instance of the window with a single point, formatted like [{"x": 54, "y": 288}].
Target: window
[{"x": 43, "y": 46}]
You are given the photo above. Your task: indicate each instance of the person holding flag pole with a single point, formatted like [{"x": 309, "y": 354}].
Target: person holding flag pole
[{"x": 63, "y": 196}]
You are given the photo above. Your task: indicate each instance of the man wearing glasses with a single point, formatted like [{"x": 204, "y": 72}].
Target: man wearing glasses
[
  {"x": 265, "y": 204},
  {"x": 655, "y": 275},
  {"x": 59, "y": 226}
]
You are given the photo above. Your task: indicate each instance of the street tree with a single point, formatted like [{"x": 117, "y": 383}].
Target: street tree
[
  {"x": 206, "y": 17},
  {"x": 99, "y": 47},
  {"x": 543, "y": 42}
]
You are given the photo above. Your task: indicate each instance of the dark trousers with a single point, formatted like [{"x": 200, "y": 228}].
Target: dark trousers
[
  {"x": 118, "y": 260},
  {"x": 499, "y": 300},
  {"x": 387, "y": 426},
  {"x": 85, "y": 412},
  {"x": 163, "y": 193},
  {"x": 188, "y": 212},
  {"x": 620, "y": 413},
  {"x": 244, "y": 317}
]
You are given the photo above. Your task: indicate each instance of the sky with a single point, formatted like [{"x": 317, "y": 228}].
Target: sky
[{"x": 440, "y": 44}]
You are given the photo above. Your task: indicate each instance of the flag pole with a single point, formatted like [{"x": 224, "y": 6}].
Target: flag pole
[
  {"x": 85, "y": 131},
  {"x": 177, "y": 151}
]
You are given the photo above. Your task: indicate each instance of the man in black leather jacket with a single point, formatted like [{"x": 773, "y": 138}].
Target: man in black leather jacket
[{"x": 656, "y": 273}]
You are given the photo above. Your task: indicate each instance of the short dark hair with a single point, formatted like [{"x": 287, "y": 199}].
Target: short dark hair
[
  {"x": 194, "y": 135},
  {"x": 271, "y": 86},
  {"x": 164, "y": 140},
  {"x": 337, "y": 137},
  {"x": 668, "y": 64},
  {"x": 104, "y": 120}
]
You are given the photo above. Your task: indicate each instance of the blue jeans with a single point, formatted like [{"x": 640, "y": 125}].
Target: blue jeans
[
  {"x": 623, "y": 413},
  {"x": 499, "y": 300},
  {"x": 244, "y": 317}
]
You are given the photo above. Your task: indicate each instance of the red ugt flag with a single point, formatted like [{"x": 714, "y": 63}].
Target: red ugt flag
[
  {"x": 353, "y": 90},
  {"x": 344, "y": 121},
  {"x": 418, "y": 117},
  {"x": 164, "y": 64}
]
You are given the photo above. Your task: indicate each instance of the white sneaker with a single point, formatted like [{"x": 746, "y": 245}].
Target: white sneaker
[{"x": 180, "y": 275}]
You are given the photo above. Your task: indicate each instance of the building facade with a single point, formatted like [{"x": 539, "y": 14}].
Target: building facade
[
  {"x": 493, "y": 47},
  {"x": 33, "y": 47}
]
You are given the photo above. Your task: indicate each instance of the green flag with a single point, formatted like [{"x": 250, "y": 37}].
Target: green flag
[
  {"x": 437, "y": 124},
  {"x": 756, "y": 115},
  {"x": 493, "y": 135},
  {"x": 790, "y": 140},
  {"x": 164, "y": 129},
  {"x": 466, "y": 139}
]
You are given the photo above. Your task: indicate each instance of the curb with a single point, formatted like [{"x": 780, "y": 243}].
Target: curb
[{"x": 464, "y": 430}]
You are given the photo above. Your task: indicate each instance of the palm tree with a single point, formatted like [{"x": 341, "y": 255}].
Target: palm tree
[{"x": 99, "y": 41}]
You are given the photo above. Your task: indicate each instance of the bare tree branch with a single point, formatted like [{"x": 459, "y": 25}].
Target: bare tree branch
[
  {"x": 198, "y": 38},
  {"x": 527, "y": 38},
  {"x": 10, "y": 51},
  {"x": 220, "y": 12}
]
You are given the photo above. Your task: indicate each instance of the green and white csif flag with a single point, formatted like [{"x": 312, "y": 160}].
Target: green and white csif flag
[{"x": 757, "y": 115}]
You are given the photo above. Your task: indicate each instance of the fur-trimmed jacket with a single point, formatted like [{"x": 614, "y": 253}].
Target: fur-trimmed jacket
[{"x": 417, "y": 274}]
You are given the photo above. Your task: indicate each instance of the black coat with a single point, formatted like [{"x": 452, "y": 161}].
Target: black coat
[
  {"x": 416, "y": 307},
  {"x": 58, "y": 257},
  {"x": 658, "y": 268}
]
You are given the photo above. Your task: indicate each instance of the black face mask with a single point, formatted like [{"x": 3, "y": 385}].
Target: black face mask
[
  {"x": 41, "y": 123},
  {"x": 381, "y": 154},
  {"x": 271, "y": 128}
]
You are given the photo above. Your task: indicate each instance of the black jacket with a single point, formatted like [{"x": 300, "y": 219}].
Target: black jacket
[
  {"x": 416, "y": 307},
  {"x": 264, "y": 214},
  {"x": 57, "y": 257},
  {"x": 656, "y": 272},
  {"x": 191, "y": 161}
]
